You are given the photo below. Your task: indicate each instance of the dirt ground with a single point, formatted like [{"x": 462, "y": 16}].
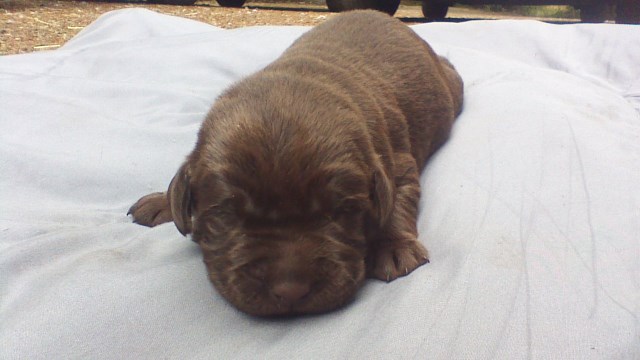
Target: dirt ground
[{"x": 35, "y": 25}]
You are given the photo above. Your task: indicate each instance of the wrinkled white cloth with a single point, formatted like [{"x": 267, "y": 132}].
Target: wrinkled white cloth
[{"x": 531, "y": 211}]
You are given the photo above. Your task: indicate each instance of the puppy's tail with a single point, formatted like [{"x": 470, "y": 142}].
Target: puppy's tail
[{"x": 454, "y": 82}]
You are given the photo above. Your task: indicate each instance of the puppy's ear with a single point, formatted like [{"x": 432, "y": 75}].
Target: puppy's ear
[
  {"x": 383, "y": 196},
  {"x": 179, "y": 195}
]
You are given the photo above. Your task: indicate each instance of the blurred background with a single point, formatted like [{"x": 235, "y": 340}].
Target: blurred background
[{"x": 36, "y": 25}]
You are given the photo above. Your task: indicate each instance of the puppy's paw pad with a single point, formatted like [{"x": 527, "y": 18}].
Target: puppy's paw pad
[
  {"x": 397, "y": 259},
  {"x": 151, "y": 210}
]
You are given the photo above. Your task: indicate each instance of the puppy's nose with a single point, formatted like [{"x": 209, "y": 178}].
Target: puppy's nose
[{"x": 289, "y": 293}]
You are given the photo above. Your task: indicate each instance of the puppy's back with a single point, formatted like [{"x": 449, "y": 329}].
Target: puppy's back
[{"x": 394, "y": 62}]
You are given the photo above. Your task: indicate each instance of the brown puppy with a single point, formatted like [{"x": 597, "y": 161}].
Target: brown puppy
[{"x": 304, "y": 178}]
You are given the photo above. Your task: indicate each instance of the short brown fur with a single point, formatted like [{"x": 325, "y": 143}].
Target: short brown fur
[{"x": 304, "y": 178}]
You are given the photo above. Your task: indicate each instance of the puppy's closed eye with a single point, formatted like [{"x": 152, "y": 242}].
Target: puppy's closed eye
[
  {"x": 350, "y": 207},
  {"x": 224, "y": 210}
]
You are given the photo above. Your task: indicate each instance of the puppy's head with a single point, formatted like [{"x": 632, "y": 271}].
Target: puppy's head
[{"x": 282, "y": 226}]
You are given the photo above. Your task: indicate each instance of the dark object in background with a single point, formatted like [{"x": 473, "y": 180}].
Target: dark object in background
[
  {"x": 387, "y": 6},
  {"x": 593, "y": 11}
]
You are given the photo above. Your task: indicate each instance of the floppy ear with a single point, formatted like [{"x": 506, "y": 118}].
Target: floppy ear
[
  {"x": 383, "y": 196},
  {"x": 179, "y": 195}
]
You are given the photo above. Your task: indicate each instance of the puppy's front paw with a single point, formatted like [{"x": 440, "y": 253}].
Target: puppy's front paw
[
  {"x": 151, "y": 210},
  {"x": 397, "y": 258}
]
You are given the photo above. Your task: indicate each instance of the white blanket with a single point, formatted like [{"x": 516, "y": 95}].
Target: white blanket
[{"x": 531, "y": 211}]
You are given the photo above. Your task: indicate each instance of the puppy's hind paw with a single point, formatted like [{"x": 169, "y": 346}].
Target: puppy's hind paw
[
  {"x": 151, "y": 210},
  {"x": 399, "y": 258}
]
